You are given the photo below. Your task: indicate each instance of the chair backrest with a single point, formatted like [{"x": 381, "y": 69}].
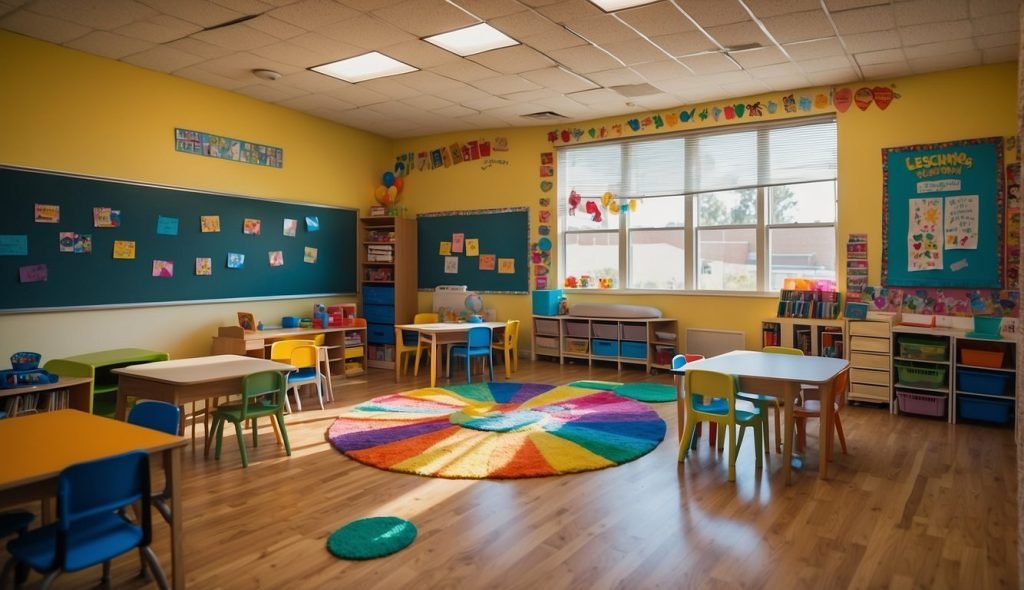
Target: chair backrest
[
  {"x": 511, "y": 333},
  {"x": 157, "y": 415},
  {"x": 304, "y": 356},
  {"x": 679, "y": 361},
  {"x": 839, "y": 386},
  {"x": 426, "y": 318},
  {"x": 479, "y": 337},
  {"x": 92, "y": 488},
  {"x": 782, "y": 350},
  {"x": 269, "y": 386},
  {"x": 282, "y": 349},
  {"x": 318, "y": 340},
  {"x": 700, "y": 384}
]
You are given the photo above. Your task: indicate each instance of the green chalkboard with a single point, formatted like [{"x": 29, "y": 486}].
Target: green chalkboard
[
  {"x": 98, "y": 279},
  {"x": 943, "y": 214},
  {"x": 503, "y": 233}
]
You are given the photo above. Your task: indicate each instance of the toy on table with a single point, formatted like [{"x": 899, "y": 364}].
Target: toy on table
[{"x": 25, "y": 372}]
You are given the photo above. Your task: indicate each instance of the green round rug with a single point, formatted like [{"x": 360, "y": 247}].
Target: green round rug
[
  {"x": 369, "y": 538},
  {"x": 647, "y": 392}
]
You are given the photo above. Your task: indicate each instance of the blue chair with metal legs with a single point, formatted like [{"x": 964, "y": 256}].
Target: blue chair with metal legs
[
  {"x": 166, "y": 418},
  {"x": 478, "y": 344}
]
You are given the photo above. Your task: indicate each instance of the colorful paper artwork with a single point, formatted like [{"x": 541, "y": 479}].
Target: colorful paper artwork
[
  {"x": 961, "y": 222},
  {"x": 923, "y": 246},
  {"x": 204, "y": 266},
  {"x": 226, "y": 148},
  {"x": 312, "y": 223},
  {"x": 83, "y": 244},
  {"x": 209, "y": 224},
  {"x": 472, "y": 247},
  {"x": 106, "y": 217},
  {"x": 251, "y": 227},
  {"x": 546, "y": 171},
  {"x": 451, "y": 265},
  {"x": 47, "y": 213},
  {"x": 290, "y": 227},
  {"x": 458, "y": 241},
  {"x": 33, "y": 273},
  {"x": 124, "y": 249},
  {"x": 544, "y": 216},
  {"x": 66, "y": 239},
  {"x": 163, "y": 268},
  {"x": 445, "y": 248},
  {"x": 506, "y": 266},
  {"x": 547, "y": 158},
  {"x": 166, "y": 226},
  {"x": 13, "y": 245},
  {"x": 856, "y": 266},
  {"x": 309, "y": 255},
  {"x": 487, "y": 261},
  {"x": 276, "y": 257},
  {"x": 236, "y": 260},
  {"x": 541, "y": 282}
]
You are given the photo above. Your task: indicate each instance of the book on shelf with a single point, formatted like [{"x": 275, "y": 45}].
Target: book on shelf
[{"x": 809, "y": 304}]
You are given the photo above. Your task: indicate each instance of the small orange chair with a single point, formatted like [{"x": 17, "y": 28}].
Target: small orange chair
[{"x": 811, "y": 408}]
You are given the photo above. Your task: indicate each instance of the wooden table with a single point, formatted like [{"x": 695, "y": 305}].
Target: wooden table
[
  {"x": 780, "y": 375},
  {"x": 439, "y": 333},
  {"x": 38, "y": 447},
  {"x": 187, "y": 380},
  {"x": 79, "y": 391}
]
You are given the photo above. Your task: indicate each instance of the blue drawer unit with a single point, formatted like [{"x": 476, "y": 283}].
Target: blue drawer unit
[
  {"x": 379, "y": 314},
  {"x": 994, "y": 411},
  {"x": 633, "y": 350},
  {"x": 380, "y": 333},
  {"x": 604, "y": 347},
  {"x": 985, "y": 382},
  {"x": 377, "y": 295}
]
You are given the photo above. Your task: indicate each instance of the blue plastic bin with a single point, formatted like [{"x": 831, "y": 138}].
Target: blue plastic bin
[
  {"x": 984, "y": 382},
  {"x": 994, "y": 411},
  {"x": 604, "y": 347},
  {"x": 633, "y": 350},
  {"x": 545, "y": 302}
]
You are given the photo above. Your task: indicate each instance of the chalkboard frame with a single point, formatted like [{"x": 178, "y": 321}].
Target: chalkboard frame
[
  {"x": 506, "y": 235},
  {"x": 80, "y": 281}
]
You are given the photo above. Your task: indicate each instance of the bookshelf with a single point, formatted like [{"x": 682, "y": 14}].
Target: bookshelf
[
  {"x": 817, "y": 337},
  {"x": 816, "y": 304}
]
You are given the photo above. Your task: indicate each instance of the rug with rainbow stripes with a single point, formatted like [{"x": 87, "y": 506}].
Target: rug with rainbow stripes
[{"x": 497, "y": 430}]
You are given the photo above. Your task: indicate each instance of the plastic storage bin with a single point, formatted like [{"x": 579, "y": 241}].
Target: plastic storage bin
[
  {"x": 634, "y": 332},
  {"x": 605, "y": 347},
  {"x": 545, "y": 302},
  {"x": 378, "y": 295},
  {"x": 973, "y": 381},
  {"x": 921, "y": 404},
  {"x": 578, "y": 329},
  {"x": 633, "y": 350},
  {"x": 609, "y": 331},
  {"x": 921, "y": 375},
  {"x": 995, "y": 411},
  {"x": 547, "y": 327},
  {"x": 577, "y": 345},
  {"x": 992, "y": 359},
  {"x": 925, "y": 350},
  {"x": 547, "y": 342}
]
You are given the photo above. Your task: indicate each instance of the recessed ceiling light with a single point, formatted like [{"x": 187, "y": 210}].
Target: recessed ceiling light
[
  {"x": 472, "y": 40},
  {"x": 615, "y": 5},
  {"x": 364, "y": 67}
]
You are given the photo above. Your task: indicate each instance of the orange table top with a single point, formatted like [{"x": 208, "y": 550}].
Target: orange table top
[{"x": 39, "y": 446}]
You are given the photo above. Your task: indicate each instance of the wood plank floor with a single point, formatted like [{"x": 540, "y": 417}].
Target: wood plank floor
[{"x": 916, "y": 504}]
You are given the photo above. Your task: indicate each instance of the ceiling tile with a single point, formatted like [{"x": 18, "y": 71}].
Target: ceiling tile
[
  {"x": 464, "y": 71},
  {"x": 423, "y": 18},
  {"x": 241, "y": 64},
  {"x": 753, "y": 58},
  {"x": 919, "y": 12},
  {"x": 711, "y": 79},
  {"x": 634, "y": 51},
  {"x": 786, "y": 83},
  {"x": 291, "y": 54},
  {"x": 918, "y": 34},
  {"x": 864, "y": 20},
  {"x": 766, "y": 8},
  {"x": 602, "y": 29},
  {"x": 799, "y": 26},
  {"x": 559, "y": 39},
  {"x": 512, "y": 60},
  {"x": 880, "y": 57},
  {"x": 311, "y": 81},
  {"x": 320, "y": 102},
  {"x": 356, "y": 94},
  {"x": 161, "y": 28},
  {"x": 105, "y": 15},
  {"x": 310, "y": 14},
  {"x": 739, "y": 35},
  {"x": 532, "y": 96},
  {"x": 662, "y": 70},
  {"x": 888, "y": 70},
  {"x": 365, "y": 31},
  {"x": 940, "y": 48},
  {"x": 597, "y": 96},
  {"x": 837, "y": 5},
  {"x": 268, "y": 92},
  {"x": 275, "y": 27},
  {"x": 710, "y": 13},
  {"x": 199, "y": 12},
  {"x": 463, "y": 94},
  {"x": 584, "y": 59},
  {"x": 825, "y": 63},
  {"x": 872, "y": 41},
  {"x": 817, "y": 48},
  {"x": 503, "y": 85},
  {"x": 685, "y": 44},
  {"x": 391, "y": 87},
  {"x": 421, "y": 54},
  {"x": 238, "y": 37},
  {"x": 558, "y": 79},
  {"x": 429, "y": 82},
  {"x": 950, "y": 61},
  {"x": 427, "y": 102},
  {"x": 42, "y": 27},
  {"x": 774, "y": 71},
  {"x": 202, "y": 76},
  {"x": 489, "y": 9},
  {"x": 524, "y": 24},
  {"x": 108, "y": 44},
  {"x": 653, "y": 20},
  {"x": 616, "y": 77},
  {"x": 830, "y": 77},
  {"x": 995, "y": 55},
  {"x": 565, "y": 11},
  {"x": 199, "y": 48},
  {"x": 656, "y": 101},
  {"x": 1000, "y": 40},
  {"x": 988, "y": 25},
  {"x": 741, "y": 90},
  {"x": 992, "y": 7},
  {"x": 163, "y": 58},
  {"x": 330, "y": 49},
  {"x": 455, "y": 110},
  {"x": 709, "y": 63},
  {"x": 486, "y": 102},
  {"x": 248, "y": 6}
]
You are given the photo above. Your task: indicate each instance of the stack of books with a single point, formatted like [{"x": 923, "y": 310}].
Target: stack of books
[
  {"x": 380, "y": 253},
  {"x": 795, "y": 303}
]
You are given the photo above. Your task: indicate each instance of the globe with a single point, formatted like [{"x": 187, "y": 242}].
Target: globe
[{"x": 474, "y": 303}]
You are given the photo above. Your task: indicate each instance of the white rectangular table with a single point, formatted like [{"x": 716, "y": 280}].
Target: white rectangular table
[
  {"x": 439, "y": 333},
  {"x": 780, "y": 375}
]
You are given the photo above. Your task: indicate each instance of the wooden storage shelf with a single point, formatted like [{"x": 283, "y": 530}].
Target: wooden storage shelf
[
  {"x": 984, "y": 381},
  {"x": 647, "y": 342},
  {"x": 868, "y": 346},
  {"x": 387, "y": 286},
  {"x": 817, "y": 337},
  {"x": 340, "y": 344}
]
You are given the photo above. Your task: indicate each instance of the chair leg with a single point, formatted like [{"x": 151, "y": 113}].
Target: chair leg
[
  {"x": 684, "y": 443},
  {"x": 490, "y": 365},
  {"x": 469, "y": 368},
  {"x": 277, "y": 431},
  {"x": 839, "y": 431},
  {"x": 508, "y": 366},
  {"x": 154, "y": 565},
  {"x": 320, "y": 390},
  {"x": 218, "y": 432},
  {"x": 284, "y": 434},
  {"x": 105, "y": 580},
  {"x": 287, "y": 406},
  {"x": 801, "y": 434},
  {"x": 49, "y": 579},
  {"x": 255, "y": 433},
  {"x": 760, "y": 442},
  {"x": 298, "y": 397},
  {"x": 241, "y": 444},
  {"x": 733, "y": 451},
  {"x": 778, "y": 429}
]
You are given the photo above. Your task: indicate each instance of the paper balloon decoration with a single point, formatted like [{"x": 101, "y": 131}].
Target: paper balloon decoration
[
  {"x": 606, "y": 198},
  {"x": 389, "y": 179},
  {"x": 399, "y": 183},
  {"x": 393, "y": 193}
]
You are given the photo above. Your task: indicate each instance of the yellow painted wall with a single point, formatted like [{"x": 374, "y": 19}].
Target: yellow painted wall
[{"x": 68, "y": 111}]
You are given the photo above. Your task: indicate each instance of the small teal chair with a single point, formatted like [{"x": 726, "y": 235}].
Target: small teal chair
[
  {"x": 91, "y": 528},
  {"x": 166, "y": 418},
  {"x": 478, "y": 344}
]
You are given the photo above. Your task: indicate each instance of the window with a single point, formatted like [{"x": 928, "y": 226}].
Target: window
[{"x": 736, "y": 209}]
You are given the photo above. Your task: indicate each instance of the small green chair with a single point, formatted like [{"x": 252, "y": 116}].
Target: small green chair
[
  {"x": 263, "y": 394},
  {"x": 701, "y": 384}
]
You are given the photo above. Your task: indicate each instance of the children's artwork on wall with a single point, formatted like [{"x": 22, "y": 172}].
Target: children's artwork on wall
[
  {"x": 46, "y": 213},
  {"x": 546, "y": 185},
  {"x": 163, "y": 268},
  {"x": 547, "y": 158},
  {"x": 961, "y": 222},
  {"x": 290, "y": 227},
  {"x": 226, "y": 148},
  {"x": 66, "y": 241},
  {"x": 276, "y": 258},
  {"x": 445, "y": 248},
  {"x": 544, "y": 216},
  {"x": 1012, "y": 230},
  {"x": 209, "y": 224},
  {"x": 924, "y": 250},
  {"x": 312, "y": 223},
  {"x": 204, "y": 266},
  {"x": 166, "y": 226},
  {"x": 309, "y": 255},
  {"x": 506, "y": 266},
  {"x": 546, "y": 171},
  {"x": 105, "y": 217},
  {"x": 13, "y": 245},
  {"x": 487, "y": 261},
  {"x": 33, "y": 273},
  {"x": 124, "y": 249},
  {"x": 236, "y": 260},
  {"x": 251, "y": 227},
  {"x": 458, "y": 241},
  {"x": 451, "y": 265},
  {"x": 83, "y": 244},
  {"x": 472, "y": 247},
  {"x": 943, "y": 301}
]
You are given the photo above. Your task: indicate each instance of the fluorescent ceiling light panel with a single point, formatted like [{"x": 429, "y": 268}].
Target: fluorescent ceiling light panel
[
  {"x": 615, "y": 5},
  {"x": 472, "y": 40},
  {"x": 364, "y": 67}
]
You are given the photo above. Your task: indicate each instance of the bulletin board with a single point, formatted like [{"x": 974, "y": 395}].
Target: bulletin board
[
  {"x": 501, "y": 233},
  {"x": 146, "y": 216},
  {"x": 943, "y": 214}
]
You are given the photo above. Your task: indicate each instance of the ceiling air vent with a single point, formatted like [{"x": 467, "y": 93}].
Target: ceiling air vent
[
  {"x": 545, "y": 116},
  {"x": 631, "y": 90}
]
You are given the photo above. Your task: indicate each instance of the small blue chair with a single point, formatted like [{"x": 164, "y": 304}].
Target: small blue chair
[
  {"x": 16, "y": 521},
  {"x": 166, "y": 418},
  {"x": 91, "y": 527},
  {"x": 478, "y": 344}
]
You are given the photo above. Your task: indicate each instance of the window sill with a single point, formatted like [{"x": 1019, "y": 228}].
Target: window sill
[{"x": 627, "y": 292}]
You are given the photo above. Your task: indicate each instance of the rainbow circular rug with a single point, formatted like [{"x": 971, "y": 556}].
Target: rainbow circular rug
[{"x": 497, "y": 431}]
